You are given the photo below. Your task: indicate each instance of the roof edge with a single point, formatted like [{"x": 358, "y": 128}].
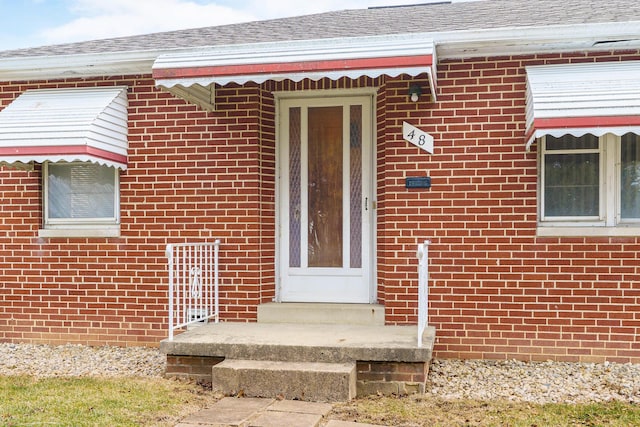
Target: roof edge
[
  {"x": 546, "y": 39},
  {"x": 449, "y": 45}
]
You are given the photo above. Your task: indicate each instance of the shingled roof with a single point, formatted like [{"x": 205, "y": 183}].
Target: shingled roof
[{"x": 431, "y": 18}]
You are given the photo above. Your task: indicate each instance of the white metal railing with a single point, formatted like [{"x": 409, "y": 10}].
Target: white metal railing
[
  {"x": 193, "y": 284},
  {"x": 423, "y": 288}
]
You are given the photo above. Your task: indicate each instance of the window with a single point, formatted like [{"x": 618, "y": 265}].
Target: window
[
  {"x": 572, "y": 177},
  {"x": 80, "y": 196},
  {"x": 590, "y": 182}
]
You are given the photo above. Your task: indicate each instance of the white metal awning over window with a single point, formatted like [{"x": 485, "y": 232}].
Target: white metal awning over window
[
  {"x": 192, "y": 76},
  {"x": 579, "y": 99},
  {"x": 66, "y": 125}
]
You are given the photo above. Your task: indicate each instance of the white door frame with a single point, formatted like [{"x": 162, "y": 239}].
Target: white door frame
[{"x": 320, "y": 98}]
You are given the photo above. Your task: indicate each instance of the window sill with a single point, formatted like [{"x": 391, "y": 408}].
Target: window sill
[
  {"x": 94, "y": 231},
  {"x": 582, "y": 231}
]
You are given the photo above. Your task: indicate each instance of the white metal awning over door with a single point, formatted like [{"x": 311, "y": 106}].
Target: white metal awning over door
[
  {"x": 192, "y": 76},
  {"x": 75, "y": 124},
  {"x": 579, "y": 99}
]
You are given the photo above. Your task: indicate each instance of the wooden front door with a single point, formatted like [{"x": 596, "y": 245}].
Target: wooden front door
[{"x": 325, "y": 209}]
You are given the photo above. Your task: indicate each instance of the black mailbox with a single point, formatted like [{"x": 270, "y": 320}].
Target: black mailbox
[{"x": 418, "y": 182}]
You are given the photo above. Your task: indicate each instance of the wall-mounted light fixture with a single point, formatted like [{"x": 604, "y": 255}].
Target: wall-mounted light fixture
[{"x": 414, "y": 93}]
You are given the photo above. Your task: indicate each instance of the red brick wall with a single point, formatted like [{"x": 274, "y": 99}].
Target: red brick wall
[
  {"x": 497, "y": 290},
  {"x": 192, "y": 176}
]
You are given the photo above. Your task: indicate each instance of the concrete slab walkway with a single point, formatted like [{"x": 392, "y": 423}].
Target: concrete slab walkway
[{"x": 258, "y": 412}]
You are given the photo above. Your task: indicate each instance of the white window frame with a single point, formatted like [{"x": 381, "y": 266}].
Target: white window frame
[
  {"x": 609, "y": 221},
  {"x": 79, "y": 227}
]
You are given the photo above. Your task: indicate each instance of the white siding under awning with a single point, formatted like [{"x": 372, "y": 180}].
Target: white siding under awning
[
  {"x": 193, "y": 75},
  {"x": 66, "y": 125},
  {"x": 579, "y": 99}
]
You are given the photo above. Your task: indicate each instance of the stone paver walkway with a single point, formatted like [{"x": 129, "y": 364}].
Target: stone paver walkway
[{"x": 254, "y": 412}]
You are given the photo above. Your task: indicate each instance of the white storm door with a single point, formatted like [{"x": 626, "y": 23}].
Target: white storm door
[{"x": 326, "y": 209}]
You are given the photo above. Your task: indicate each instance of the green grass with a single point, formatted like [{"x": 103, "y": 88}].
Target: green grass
[
  {"x": 26, "y": 401},
  {"x": 426, "y": 411}
]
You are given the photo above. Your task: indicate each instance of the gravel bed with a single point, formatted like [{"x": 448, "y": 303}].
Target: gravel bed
[
  {"x": 535, "y": 382},
  {"x": 74, "y": 360}
]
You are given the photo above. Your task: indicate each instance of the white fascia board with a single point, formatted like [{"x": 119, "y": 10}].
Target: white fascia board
[
  {"x": 82, "y": 65},
  {"x": 449, "y": 45},
  {"x": 531, "y": 40}
]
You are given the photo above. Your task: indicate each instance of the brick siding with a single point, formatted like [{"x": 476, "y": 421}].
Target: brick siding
[
  {"x": 496, "y": 291},
  {"x": 191, "y": 367},
  {"x": 391, "y": 378}
]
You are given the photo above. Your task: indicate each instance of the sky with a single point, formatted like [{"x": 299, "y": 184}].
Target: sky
[{"x": 30, "y": 23}]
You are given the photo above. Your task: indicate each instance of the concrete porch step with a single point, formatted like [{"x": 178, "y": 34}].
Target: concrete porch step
[
  {"x": 292, "y": 358},
  {"x": 313, "y": 381},
  {"x": 322, "y": 313},
  {"x": 303, "y": 342}
]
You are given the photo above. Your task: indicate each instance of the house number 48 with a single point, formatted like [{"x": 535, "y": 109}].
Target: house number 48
[{"x": 417, "y": 137}]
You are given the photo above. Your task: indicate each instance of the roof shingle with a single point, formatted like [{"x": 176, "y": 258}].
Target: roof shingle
[{"x": 440, "y": 17}]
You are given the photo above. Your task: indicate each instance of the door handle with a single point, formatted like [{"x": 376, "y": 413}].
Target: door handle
[{"x": 366, "y": 204}]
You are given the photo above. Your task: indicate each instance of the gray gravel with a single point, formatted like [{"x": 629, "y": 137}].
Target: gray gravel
[
  {"x": 536, "y": 382},
  {"x": 74, "y": 360}
]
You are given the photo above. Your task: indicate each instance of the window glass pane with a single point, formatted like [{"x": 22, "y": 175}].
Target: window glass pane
[
  {"x": 630, "y": 176},
  {"x": 325, "y": 187},
  {"x": 81, "y": 191},
  {"x": 570, "y": 142},
  {"x": 571, "y": 184}
]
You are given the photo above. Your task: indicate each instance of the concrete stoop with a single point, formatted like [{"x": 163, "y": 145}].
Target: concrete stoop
[
  {"x": 323, "y": 361},
  {"x": 314, "y": 381}
]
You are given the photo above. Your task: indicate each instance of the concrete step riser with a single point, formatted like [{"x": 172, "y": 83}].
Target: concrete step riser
[
  {"x": 320, "y": 382},
  {"x": 320, "y": 313}
]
